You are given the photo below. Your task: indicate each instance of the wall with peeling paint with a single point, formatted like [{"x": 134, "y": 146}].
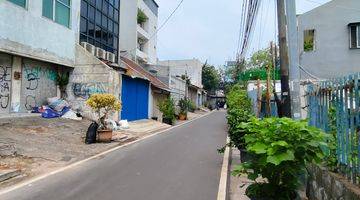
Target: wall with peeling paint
[{"x": 25, "y": 32}]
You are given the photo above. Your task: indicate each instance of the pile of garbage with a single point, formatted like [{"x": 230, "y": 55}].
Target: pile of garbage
[{"x": 56, "y": 108}]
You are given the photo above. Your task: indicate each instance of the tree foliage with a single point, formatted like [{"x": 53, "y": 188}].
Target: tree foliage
[{"x": 210, "y": 78}]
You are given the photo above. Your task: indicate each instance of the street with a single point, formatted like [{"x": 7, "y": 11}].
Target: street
[{"x": 180, "y": 164}]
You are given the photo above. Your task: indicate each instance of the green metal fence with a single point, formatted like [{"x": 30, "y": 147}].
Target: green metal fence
[{"x": 333, "y": 106}]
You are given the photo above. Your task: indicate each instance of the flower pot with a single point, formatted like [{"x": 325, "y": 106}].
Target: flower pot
[
  {"x": 168, "y": 121},
  {"x": 104, "y": 135},
  {"x": 182, "y": 116}
]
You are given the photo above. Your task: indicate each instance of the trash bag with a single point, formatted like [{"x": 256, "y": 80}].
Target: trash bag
[
  {"x": 49, "y": 113},
  {"x": 91, "y": 133}
]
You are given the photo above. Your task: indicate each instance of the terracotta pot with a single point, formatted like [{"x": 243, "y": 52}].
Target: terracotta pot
[
  {"x": 104, "y": 135},
  {"x": 182, "y": 117}
]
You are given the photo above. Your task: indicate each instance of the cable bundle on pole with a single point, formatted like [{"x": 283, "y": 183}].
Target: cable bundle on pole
[{"x": 250, "y": 9}]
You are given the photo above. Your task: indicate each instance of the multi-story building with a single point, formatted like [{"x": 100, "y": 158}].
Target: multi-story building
[
  {"x": 329, "y": 40},
  {"x": 37, "y": 41},
  {"x": 189, "y": 69},
  {"x": 138, "y": 30}
]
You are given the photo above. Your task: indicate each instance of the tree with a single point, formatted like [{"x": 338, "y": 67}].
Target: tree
[
  {"x": 210, "y": 78},
  {"x": 260, "y": 59}
]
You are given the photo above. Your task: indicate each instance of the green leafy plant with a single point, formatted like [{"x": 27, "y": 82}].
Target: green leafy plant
[
  {"x": 184, "y": 106},
  {"x": 167, "y": 108},
  {"x": 281, "y": 148},
  {"x": 239, "y": 110},
  {"x": 191, "y": 106},
  {"x": 141, "y": 17},
  {"x": 62, "y": 80},
  {"x": 103, "y": 104},
  {"x": 331, "y": 160}
]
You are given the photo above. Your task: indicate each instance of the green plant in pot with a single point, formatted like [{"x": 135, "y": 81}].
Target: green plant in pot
[
  {"x": 103, "y": 105},
  {"x": 280, "y": 149},
  {"x": 62, "y": 80},
  {"x": 167, "y": 108},
  {"x": 141, "y": 17},
  {"x": 184, "y": 107}
]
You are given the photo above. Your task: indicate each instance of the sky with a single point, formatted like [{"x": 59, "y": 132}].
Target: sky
[{"x": 209, "y": 29}]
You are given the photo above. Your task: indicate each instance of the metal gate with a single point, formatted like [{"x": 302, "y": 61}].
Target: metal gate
[{"x": 135, "y": 98}]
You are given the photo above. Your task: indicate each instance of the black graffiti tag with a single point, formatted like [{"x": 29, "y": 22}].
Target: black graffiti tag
[
  {"x": 30, "y": 102},
  {"x": 5, "y": 78},
  {"x": 33, "y": 81}
]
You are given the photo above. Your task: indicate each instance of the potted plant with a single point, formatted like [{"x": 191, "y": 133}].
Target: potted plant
[
  {"x": 62, "y": 80},
  {"x": 280, "y": 149},
  {"x": 167, "y": 108},
  {"x": 141, "y": 17},
  {"x": 184, "y": 106},
  {"x": 103, "y": 104}
]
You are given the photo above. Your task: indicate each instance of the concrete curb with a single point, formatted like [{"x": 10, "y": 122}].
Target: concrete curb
[
  {"x": 8, "y": 174},
  {"x": 40, "y": 177},
  {"x": 224, "y": 175}
]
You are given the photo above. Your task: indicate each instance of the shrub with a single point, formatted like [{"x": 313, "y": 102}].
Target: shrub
[
  {"x": 141, "y": 17},
  {"x": 167, "y": 108},
  {"x": 191, "y": 106},
  {"x": 239, "y": 110},
  {"x": 103, "y": 104},
  {"x": 280, "y": 149},
  {"x": 184, "y": 106}
]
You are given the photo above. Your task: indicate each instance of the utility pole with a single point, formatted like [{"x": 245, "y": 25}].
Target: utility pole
[
  {"x": 285, "y": 109},
  {"x": 294, "y": 59}
]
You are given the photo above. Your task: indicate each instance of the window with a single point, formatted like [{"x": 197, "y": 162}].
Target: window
[
  {"x": 354, "y": 36},
  {"x": 21, "y": 3},
  {"x": 99, "y": 24},
  {"x": 58, "y": 11},
  {"x": 309, "y": 40}
]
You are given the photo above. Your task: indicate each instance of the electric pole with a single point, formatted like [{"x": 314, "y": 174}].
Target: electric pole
[
  {"x": 285, "y": 109},
  {"x": 294, "y": 59}
]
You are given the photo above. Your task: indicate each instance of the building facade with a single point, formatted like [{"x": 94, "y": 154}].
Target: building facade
[
  {"x": 329, "y": 40},
  {"x": 36, "y": 43},
  {"x": 192, "y": 69},
  {"x": 138, "y": 25}
]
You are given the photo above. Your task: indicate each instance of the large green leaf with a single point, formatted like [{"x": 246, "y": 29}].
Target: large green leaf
[
  {"x": 258, "y": 148},
  {"x": 279, "y": 158},
  {"x": 280, "y": 143}
]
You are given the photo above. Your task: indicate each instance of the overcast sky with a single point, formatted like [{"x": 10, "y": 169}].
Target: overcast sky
[{"x": 208, "y": 29}]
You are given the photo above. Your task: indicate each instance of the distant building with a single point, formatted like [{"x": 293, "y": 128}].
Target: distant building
[
  {"x": 192, "y": 68},
  {"x": 329, "y": 40},
  {"x": 138, "y": 37}
]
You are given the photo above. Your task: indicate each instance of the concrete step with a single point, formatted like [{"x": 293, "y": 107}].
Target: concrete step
[{"x": 8, "y": 174}]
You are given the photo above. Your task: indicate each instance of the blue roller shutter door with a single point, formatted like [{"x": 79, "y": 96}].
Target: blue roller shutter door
[{"x": 135, "y": 98}]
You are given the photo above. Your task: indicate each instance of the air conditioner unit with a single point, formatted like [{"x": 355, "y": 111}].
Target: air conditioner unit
[
  {"x": 89, "y": 47},
  {"x": 100, "y": 53},
  {"x": 110, "y": 57}
]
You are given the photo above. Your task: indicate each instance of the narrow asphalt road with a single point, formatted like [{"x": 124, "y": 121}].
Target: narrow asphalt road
[{"x": 180, "y": 164}]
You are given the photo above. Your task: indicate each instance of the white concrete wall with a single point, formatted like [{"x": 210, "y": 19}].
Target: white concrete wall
[
  {"x": 193, "y": 68},
  {"x": 332, "y": 56},
  {"x": 150, "y": 28},
  {"x": 27, "y": 33},
  {"x": 91, "y": 76},
  {"x": 128, "y": 25},
  {"x": 178, "y": 89},
  {"x": 129, "y": 32}
]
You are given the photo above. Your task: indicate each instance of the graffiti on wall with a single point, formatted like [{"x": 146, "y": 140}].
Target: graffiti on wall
[
  {"x": 39, "y": 83},
  {"x": 5, "y": 83},
  {"x": 84, "y": 90}
]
